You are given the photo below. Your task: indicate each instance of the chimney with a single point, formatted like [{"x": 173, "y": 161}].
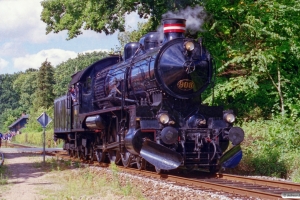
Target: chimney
[{"x": 173, "y": 28}]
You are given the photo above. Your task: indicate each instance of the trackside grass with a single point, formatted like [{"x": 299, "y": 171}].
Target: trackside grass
[
  {"x": 78, "y": 182},
  {"x": 3, "y": 175},
  {"x": 271, "y": 148}
]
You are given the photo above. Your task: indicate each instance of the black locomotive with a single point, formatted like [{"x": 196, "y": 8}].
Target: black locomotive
[{"x": 145, "y": 108}]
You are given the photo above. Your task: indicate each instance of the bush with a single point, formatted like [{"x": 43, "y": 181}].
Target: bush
[
  {"x": 271, "y": 148},
  {"x": 35, "y": 138}
]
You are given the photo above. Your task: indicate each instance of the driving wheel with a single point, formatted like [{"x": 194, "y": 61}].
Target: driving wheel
[
  {"x": 100, "y": 155},
  {"x": 140, "y": 163},
  {"x": 114, "y": 157},
  {"x": 126, "y": 159}
]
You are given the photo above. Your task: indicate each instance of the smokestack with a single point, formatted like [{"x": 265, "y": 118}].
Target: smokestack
[{"x": 173, "y": 28}]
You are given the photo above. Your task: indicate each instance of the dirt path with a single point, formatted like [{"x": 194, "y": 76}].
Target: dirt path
[{"x": 26, "y": 178}]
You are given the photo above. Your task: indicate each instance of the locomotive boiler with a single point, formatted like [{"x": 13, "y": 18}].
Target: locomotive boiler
[{"x": 144, "y": 108}]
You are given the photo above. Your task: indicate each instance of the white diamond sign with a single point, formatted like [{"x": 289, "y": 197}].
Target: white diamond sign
[{"x": 44, "y": 119}]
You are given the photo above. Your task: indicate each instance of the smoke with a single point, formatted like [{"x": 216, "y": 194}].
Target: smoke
[{"x": 194, "y": 19}]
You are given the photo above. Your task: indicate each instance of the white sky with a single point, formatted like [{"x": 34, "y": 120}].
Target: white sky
[{"x": 24, "y": 43}]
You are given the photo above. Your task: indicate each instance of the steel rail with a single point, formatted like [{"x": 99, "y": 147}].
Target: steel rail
[
  {"x": 2, "y": 154},
  {"x": 264, "y": 182},
  {"x": 209, "y": 185}
]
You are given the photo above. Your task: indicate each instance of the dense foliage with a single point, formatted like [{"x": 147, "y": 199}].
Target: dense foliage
[
  {"x": 9, "y": 98},
  {"x": 45, "y": 83},
  {"x": 9, "y": 106},
  {"x": 103, "y": 15},
  {"x": 26, "y": 85},
  {"x": 256, "y": 48}
]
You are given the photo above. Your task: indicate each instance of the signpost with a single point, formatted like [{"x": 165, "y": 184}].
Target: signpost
[{"x": 44, "y": 120}]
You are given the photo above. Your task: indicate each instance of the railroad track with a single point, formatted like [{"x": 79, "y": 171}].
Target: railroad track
[
  {"x": 231, "y": 185},
  {"x": 9, "y": 145},
  {"x": 226, "y": 184},
  {"x": 237, "y": 186}
]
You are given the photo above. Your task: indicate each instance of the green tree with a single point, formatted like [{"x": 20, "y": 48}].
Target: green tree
[
  {"x": 65, "y": 70},
  {"x": 45, "y": 83},
  {"x": 7, "y": 117},
  {"x": 9, "y": 98},
  {"x": 256, "y": 48},
  {"x": 135, "y": 35},
  {"x": 26, "y": 85},
  {"x": 9, "y": 106},
  {"x": 103, "y": 15}
]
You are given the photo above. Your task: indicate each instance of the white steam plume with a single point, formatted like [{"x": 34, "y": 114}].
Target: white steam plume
[{"x": 194, "y": 18}]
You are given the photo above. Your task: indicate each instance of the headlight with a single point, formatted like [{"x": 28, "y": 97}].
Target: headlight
[
  {"x": 163, "y": 118},
  {"x": 229, "y": 117},
  {"x": 189, "y": 46}
]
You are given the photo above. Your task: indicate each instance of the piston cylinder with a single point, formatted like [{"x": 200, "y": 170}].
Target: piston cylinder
[{"x": 95, "y": 122}]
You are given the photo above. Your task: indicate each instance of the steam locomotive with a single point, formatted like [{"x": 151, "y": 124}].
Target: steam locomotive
[{"x": 144, "y": 108}]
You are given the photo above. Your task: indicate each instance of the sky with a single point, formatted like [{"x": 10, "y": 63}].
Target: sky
[{"x": 24, "y": 43}]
